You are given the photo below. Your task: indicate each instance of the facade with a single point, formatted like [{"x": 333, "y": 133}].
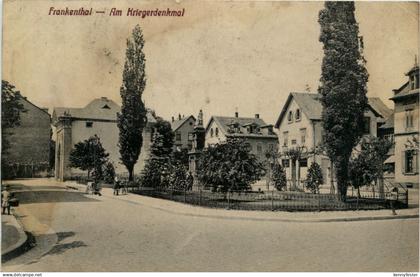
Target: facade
[
  {"x": 406, "y": 129},
  {"x": 29, "y": 144},
  {"x": 183, "y": 129},
  {"x": 254, "y": 130},
  {"x": 300, "y": 127},
  {"x": 99, "y": 118}
]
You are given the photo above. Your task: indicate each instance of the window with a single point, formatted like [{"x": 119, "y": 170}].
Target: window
[
  {"x": 303, "y": 163},
  {"x": 412, "y": 81},
  {"x": 217, "y": 132},
  {"x": 211, "y": 132},
  {"x": 410, "y": 161},
  {"x": 259, "y": 148},
  {"x": 178, "y": 136},
  {"x": 297, "y": 115},
  {"x": 366, "y": 125},
  {"x": 409, "y": 118},
  {"x": 285, "y": 138},
  {"x": 271, "y": 147},
  {"x": 89, "y": 124},
  {"x": 285, "y": 163},
  {"x": 290, "y": 116},
  {"x": 389, "y": 137},
  {"x": 294, "y": 141},
  {"x": 190, "y": 136},
  {"x": 303, "y": 135}
]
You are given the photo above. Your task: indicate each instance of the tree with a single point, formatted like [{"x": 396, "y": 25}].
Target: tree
[
  {"x": 11, "y": 108},
  {"x": 229, "y": 166},
  {"x": 108, "y": 172},
  {"x": 342, "y": 86},
  {"x": 157, "y": 166},
  {"x": 164, "y": 128},
  {"x": 368, "y": 165},
  {"x": 276, "y": 174},
  {"x": 314, "y": 178},
  {"x": 132, "y": 118},
  {"x": 89, "y": 155}
]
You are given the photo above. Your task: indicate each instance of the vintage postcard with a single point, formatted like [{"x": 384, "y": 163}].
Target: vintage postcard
[{"x": 210, "y": 136}]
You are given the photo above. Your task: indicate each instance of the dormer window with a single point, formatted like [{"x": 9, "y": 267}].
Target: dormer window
[
  {"x": 217, "y": 132},
  {"x": 106, "y": 107},
  {"x": 290, "y": 116},
  {"x": 297, "y": 115},
  {"x": 211, "y": 132}
]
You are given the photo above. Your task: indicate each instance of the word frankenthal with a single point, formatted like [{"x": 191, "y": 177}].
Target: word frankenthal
[{"x": 67, "y": 11}]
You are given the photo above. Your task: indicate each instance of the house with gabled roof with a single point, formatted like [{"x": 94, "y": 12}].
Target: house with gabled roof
[
  {"x": 99, "y": 117},
  {"x": 254, "y": 130},
  {"x": 300, "y": 127},
  {"x": 183, "y": 128},
  {"x": 406, "y": 129},
  {"x": 28, "y": 150}
]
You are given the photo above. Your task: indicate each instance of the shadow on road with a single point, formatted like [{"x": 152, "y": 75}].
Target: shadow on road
[{"x": 29, "y": 197}]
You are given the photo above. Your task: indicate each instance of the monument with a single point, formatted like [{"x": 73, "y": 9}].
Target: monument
[{"x": 198, "y": 139}]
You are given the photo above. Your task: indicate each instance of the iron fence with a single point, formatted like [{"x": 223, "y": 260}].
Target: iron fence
[{"x": 278, "y": 200}]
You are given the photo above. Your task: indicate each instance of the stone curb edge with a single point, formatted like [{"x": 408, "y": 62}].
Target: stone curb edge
[
  {"x": 340, "y": 219},
  {"x": 19, "y": 247}
]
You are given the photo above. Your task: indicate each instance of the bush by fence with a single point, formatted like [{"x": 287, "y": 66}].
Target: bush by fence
[{"x": 277, "y": 200}]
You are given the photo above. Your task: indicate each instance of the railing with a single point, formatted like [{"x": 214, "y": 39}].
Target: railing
[{"x": 277, "y": 200}]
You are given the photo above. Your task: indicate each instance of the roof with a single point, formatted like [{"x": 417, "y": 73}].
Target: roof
[
  {"x": 224, "y": 121},
  {"x": 99, "y": 109},
  {"x": 310, "y": 105},
  {"x": 176, "y": 124},
  {"x": 405, "y": 93},
  {"x": 389, "y": 123},
  {"x": 376, "y": 104}
]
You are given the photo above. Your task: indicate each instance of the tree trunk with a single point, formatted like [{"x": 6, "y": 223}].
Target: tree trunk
[
  {"x": 342, "y": 178},
  {"x": 293, "y": 174},
  {"x": 130, "y": 169}
]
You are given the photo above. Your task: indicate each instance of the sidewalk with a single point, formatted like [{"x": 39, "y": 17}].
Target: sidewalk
[
  {"x": 281, "y": 216},
  {"x": 13, "y": 238}
]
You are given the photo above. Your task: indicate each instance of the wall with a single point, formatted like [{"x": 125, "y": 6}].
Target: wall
[
  {"x": 401, "y": 137},
  {"x": 30, "y": 142},
  {"x": 184, "y": 130},
  {"x": 215, "y": 139}
]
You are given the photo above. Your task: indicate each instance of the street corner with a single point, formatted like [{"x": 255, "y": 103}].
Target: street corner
[{"x": 14, "y": 239}]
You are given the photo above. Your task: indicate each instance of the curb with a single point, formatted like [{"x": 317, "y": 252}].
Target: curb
[
  {"x": 309, "y": 220},
  {"x": 24, "y": 243}
]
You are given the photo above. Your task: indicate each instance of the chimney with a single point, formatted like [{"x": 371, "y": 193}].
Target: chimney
[
  {"x": 236, "y": 114},
  {"x": 173, "y": 119},
  {"x": 257, "y": 115},
  {"x": 179, "y": 116}
]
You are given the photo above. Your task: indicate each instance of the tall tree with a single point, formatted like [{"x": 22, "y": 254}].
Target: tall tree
[
  {"x": 11, "y": 109},
  {"x": 342, "y": 85},
  {"x": 132, "y": 118}
]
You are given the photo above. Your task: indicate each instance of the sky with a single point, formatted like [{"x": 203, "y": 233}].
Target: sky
[{"x": 220, "y": 57}]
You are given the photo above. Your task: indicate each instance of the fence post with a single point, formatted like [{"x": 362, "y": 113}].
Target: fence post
[
  {"x": 185, "y": 194},
  {"x": 272, "y": 200},
  {"x": 199, "y": 199},
  {"x": 228, "y": 199}
]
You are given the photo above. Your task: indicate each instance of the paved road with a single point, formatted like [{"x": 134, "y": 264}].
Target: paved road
[{"x": 77, "y": 232}]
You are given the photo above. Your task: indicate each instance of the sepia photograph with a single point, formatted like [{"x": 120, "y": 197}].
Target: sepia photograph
[{"x": 209, "y": 136}]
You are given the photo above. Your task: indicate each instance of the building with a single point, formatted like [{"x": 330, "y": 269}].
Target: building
[
  {"x": 406, "y": 129},
  {"x": 183, "y": 128},
  {"x": 99, "y": 118},
  {"x": 300, "y": 127},
  {"x": 254, "y": 130},
  {"x": 28, "y": 152}
]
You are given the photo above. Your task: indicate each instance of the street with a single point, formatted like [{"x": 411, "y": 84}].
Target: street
[{"x": 91, "y": 233}]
